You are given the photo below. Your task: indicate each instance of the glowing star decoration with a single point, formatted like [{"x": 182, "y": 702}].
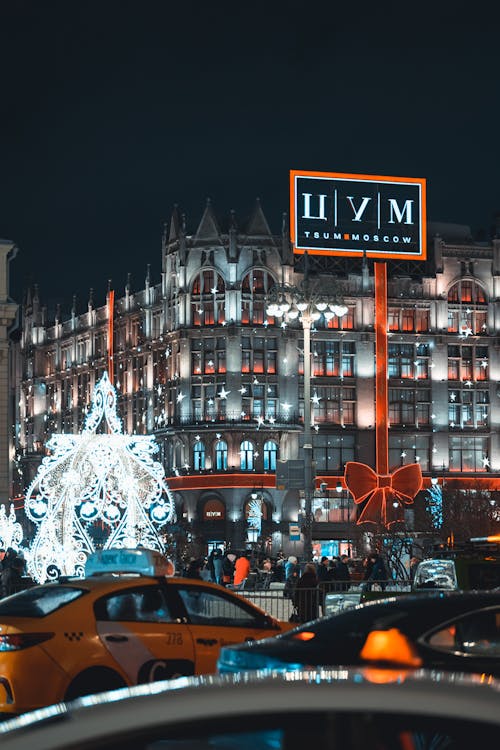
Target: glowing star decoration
[
  {"x": 242, "y": 390},
  {"x": 180, "y": 396},
  {"x": 223, "y": 393},
  {"x": 11, "y": 532},
  {"x": 316, "y": 399},
  {"x": 97, "y": 477},
  {"x": 453, "y": 396},
  {"x": 486, "y": 462}
]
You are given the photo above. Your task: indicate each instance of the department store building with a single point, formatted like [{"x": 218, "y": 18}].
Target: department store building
[{"x": 198, "y": 363}]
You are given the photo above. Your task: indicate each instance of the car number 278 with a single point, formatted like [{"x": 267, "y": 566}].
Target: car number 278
[{"x": 174, "y": 639}]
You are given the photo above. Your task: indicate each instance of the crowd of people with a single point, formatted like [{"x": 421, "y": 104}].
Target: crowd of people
[{"x": 306, "y": 585}]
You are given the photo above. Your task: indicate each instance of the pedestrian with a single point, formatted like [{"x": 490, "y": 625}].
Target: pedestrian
[
  {"x": 291, "y": 566},
  {"x": 194, "y": 569},
  {"x": 413, "y": 567},
  {"x": 306, "y": 595},
  {"x": 11, "y": 579},
  {"x": 367, "y": 571},
  {"x": 228, "y": 568},
  {"x": 218, "y": 566},
  {"x": 210, "y": 565},
  {"x": 342, "y": 573},
  {"x": 322, "y": 574},
  {"x": 379, "y": 573},
  {"x": 241, "y": 569}
]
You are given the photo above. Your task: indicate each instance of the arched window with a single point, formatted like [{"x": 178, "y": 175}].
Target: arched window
[
  {"x": 199, "y": 456},
  {"x": 254, "y": 287},
  {"x": 246, "y": 455},
  {"x": 207, "y": 298},
  {"x": 270, "y": 455},
  {"x": 467, "y": 308},
  {"x": 221, "y": 455}
]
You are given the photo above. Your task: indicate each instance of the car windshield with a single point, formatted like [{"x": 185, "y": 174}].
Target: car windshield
[{"x": 39, "y": 601}]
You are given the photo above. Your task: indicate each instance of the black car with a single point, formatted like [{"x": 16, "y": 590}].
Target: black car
[{"x": 456, "y": 631}]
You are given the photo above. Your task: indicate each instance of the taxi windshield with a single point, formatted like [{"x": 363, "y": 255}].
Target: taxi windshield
[{"x": 39, "y": 601}]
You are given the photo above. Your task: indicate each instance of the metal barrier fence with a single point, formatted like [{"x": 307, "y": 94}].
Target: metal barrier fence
[{"x": 320, "y": 601}]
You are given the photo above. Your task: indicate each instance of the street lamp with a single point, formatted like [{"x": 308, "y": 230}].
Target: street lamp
[{"x": 306, "y": 303}]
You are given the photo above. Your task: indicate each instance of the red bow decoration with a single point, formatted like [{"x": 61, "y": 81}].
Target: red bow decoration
[{"x": 386, "y": 494}]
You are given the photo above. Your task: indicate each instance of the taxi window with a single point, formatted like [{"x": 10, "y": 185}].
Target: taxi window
[
  {"x": 477, "y": 634},
  {"x": 39, "y": 601},
  {"x": 146, "y": 604},
  {"x": 209, "y": 608}
]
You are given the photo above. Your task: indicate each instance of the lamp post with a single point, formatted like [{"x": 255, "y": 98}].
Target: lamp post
[{"x": 306, "y": 304}]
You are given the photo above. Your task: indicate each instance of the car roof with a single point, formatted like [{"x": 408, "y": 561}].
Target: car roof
[
  {"x": 213, "y": 697},
  {"x": 411, "y": 607}
]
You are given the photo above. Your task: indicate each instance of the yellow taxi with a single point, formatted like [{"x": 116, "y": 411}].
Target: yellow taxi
[{"x": 125, "y": 623}]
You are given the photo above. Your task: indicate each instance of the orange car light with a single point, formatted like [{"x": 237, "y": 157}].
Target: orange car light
[
  {"x": 305, "y": 635},
  {"x": 390, "y": 646}
]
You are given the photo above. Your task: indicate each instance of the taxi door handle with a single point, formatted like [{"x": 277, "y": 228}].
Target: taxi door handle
[
  {"x": 116, "y": 638},
  {"x": 207, "y": 641}
]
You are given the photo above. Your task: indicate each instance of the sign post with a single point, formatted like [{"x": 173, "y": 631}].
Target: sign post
[{"x": 383, "y": 218}]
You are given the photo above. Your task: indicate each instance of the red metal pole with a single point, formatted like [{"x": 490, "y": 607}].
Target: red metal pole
[{"x": 381, "y": 363}]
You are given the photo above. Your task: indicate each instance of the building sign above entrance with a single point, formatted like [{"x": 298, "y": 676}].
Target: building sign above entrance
[{"x": 347, "y": 214}]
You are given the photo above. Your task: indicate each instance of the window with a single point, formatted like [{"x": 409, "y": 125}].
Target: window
[
  {"x": 476, "y": 634},
  {"x": 467, "y": 308},
  {"x": 407, "y": 361},
  {"x": 270, "y": 455},
  {"x": 207, "y": 608},
  {"x": 208, "y": 299},
  {"x": 468, "y": 408},
  {"x": 469, "y": 363},
  {"x": 221, "y": 455},
  {"x": 331, "y": 452},
  {"x": 334, "y": 404},
  {"x": 409, "y": 406},
  {"x": 246, "y": 455},
  {"x": 147, "y": 604},
  {"x": 332, "y": 358},
  {"x": 409, "y": 449},
  {"x": 259, "y": 355},
  {"x": 254, "y": 287},
  {"x": 199, "y": 456},
  {"x": 38, "y": 602},
  {"x": 468, "y": 453}
]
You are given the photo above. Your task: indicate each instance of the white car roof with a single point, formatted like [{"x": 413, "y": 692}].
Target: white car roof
[{"x": 189, "y": 699}]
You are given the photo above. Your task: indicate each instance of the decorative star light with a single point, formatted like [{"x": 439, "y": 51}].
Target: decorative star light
[
  {"x": 467, "y": 331},
  {"x": 486, "y": 462},
  {"x": 271, "y": 420},
  {"x": 213, "y": 290},
  {"x": 260, "y": 420},
  {"x": 197, "y": 438},
  {"x": 403, "y": 454},
  {"x": 316, "y": 399},
  {"x": 242, "y": 390},
  {"x": 255, "y": 381},
  {"x": 210, "y": 363},
  {"x": 484, "y": 364},
  {"x": 453, "y": 396},
  {"x": 104, "y": 478},
  {"x": 210, "y": 402},
  {"x": 468, "y": 383},
  {"x": 223, "y": 393},
  {"x": 286, "y": 406},
  {"x": 180, "y": 396},
  {"x": 283, "y": 324},
  {"x": 218, "y": 435}
]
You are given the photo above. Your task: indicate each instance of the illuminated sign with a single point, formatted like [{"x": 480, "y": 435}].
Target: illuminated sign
[
  {"x": 347, "y": 214},
  {"x": 214, "y": 510}
]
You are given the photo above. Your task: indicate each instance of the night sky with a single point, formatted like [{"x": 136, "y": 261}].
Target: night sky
[{"x": 112, "y": 112}]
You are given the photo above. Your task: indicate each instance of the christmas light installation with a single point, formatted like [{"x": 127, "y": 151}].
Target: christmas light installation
[
  {"x": 11, "y": 532},
  {"x": 108, "y": 478}
]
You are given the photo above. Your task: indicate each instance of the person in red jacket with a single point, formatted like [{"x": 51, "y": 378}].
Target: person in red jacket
[{"x": 241, "y": 569}]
